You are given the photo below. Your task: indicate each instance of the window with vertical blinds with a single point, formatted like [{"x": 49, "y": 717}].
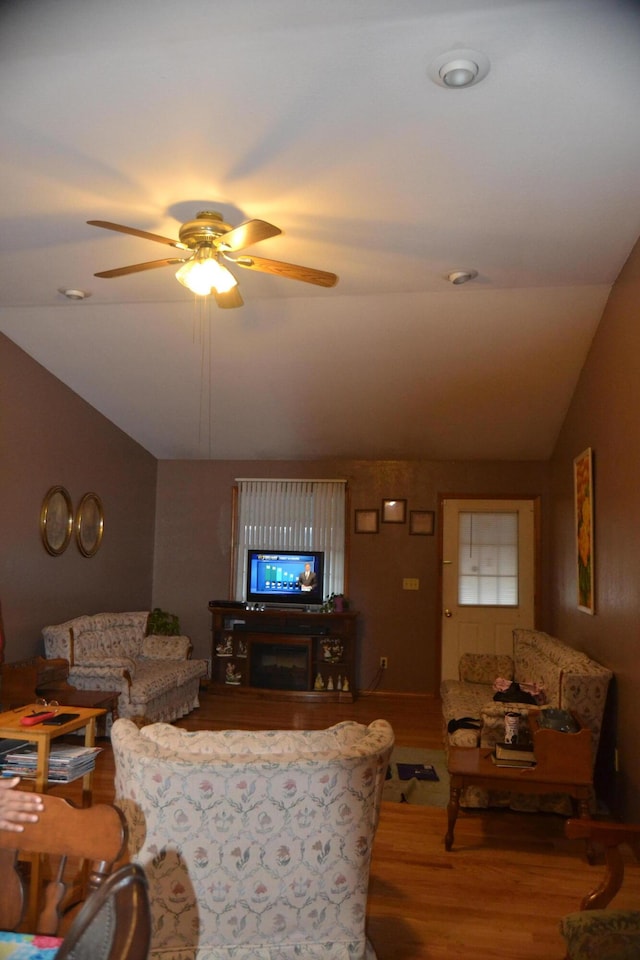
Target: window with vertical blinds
[
  {"x": 488, "y": 559},
  {"x": 292, "y": 515}
]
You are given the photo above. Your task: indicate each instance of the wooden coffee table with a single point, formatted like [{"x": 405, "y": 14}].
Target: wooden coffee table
[{"x": 564, "y": 764}]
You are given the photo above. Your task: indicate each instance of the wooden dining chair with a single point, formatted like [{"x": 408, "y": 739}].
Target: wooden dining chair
[
  {"x": 114, "y": 922},
  {"x": 596, "y": 930},
  {"x": 95, "y": 836}
]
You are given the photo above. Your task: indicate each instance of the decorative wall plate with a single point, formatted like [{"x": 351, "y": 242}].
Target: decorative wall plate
[
  {"x": 56, "y": 520},
  {"x": 89, "y": 524}
]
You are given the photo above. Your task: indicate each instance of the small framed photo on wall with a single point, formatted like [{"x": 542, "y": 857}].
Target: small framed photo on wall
[
  {"x": 366, "y": 521},
  {"x": 394, "y": 511},
  {"x": 422, "y": 523}
]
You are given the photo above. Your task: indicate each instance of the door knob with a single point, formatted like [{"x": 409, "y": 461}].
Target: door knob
[{"x": 447, "y": 612}]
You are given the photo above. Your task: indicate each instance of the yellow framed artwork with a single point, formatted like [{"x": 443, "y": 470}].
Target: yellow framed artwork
[{"x": 584, "y": 524}]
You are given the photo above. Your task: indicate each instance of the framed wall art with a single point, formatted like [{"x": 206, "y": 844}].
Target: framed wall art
[
  {"x": 366, "y": 521},
  {"x": 394, "y": 511},
  {"x": 56, "y": 520},
  {"x": 89, "y": 524},
  {"x": 584, "y": 525},
  {"x": 422, "y": 523}
]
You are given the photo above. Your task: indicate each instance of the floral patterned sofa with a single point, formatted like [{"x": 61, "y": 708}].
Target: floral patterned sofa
[
  {"x": 256, "y": 844},
  {"x": 569, "y": 678},
  {"x": 154, "y": 675}
]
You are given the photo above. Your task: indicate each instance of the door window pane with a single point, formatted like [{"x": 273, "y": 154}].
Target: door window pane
[{"x": 488, "y": 559}]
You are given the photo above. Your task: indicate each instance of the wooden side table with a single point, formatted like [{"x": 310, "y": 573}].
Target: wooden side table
[
  {"x": 105, "y": 700},
  {"x": 473, "y": 767},
  {"x": 564, "y": 764},
  {"x": 11, "y": 728},
  {"x": 24, "y": 680}
]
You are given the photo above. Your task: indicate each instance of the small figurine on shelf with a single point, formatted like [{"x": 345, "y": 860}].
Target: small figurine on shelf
[
  {"x": 242, "y": 649},
  {"x": 332, "y": 650},
  {"x": 330, "y": 683},
  {"x": 319, "y": 684},
  {"x": 345, "y": 685},
  {"x": 225, "y": 647},
  {"x": 232, "y": 676},
  {"x": 339, "y": 683}
]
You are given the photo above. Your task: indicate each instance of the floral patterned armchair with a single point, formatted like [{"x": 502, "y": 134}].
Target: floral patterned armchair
[{"x": 256, "y": 844}]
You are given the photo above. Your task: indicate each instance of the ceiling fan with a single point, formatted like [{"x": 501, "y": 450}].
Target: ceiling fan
[{"x": 211, "y": 240}]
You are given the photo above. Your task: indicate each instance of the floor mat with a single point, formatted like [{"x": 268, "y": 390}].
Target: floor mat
[{"x": 425, "y": 788}]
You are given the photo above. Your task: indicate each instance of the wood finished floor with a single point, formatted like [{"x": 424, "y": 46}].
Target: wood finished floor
[{"x": 498, "y": 895}]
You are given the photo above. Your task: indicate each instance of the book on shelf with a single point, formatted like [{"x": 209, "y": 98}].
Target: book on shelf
[
  {"x": 514, "y": 764},
  {"x": 515, "y": 751}
]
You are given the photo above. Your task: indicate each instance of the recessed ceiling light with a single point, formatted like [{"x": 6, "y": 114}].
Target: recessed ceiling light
[
  {"x": 73, "y": 294},
  {"x": 459, "y": 69},
  {"x": 456, "y": 277}
]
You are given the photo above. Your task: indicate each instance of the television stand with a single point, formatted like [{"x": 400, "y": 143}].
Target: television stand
[{"x": 284, "y": 653}]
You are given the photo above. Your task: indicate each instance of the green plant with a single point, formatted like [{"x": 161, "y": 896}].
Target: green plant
[
  {"x": 336, "y": 601},
  {"x": 163, "y": 623}
]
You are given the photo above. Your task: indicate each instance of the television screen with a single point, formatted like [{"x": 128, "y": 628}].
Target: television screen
[{"x": 276, "y": 576}]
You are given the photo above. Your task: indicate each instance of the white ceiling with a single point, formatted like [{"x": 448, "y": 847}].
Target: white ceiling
[{"x": 319, "y": 116}]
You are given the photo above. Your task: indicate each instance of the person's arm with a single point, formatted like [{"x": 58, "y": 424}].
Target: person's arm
[{"x": 17, "y": 806}]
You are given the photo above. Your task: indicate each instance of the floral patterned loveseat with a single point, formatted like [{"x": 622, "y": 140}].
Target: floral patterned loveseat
[
  {"x": 255, "y": 844},
  {"x": 154, "y": 675},
  {"x": 569, "y": 678}
]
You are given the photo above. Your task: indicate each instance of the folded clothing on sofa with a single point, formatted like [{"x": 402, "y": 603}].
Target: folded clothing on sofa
[{"x": 509, "y": 691}]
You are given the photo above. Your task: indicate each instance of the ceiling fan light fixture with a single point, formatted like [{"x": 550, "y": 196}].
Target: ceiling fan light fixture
[{"x": 202, "y": 274}]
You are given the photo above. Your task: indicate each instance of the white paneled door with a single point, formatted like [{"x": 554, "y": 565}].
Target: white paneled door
[{"x": 488, "y": 576}]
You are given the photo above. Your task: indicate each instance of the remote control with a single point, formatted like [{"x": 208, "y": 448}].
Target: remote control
[{"x": 37, "y": 717}]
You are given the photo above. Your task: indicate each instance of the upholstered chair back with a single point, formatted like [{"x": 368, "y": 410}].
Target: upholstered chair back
[{"x": 256, "y": 844}]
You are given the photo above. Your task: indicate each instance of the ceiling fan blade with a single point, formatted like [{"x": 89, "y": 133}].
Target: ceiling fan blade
[
  {"x": 230, "y": 299},
  {"x": 247, "y": 233},
  {"x": 290, "y": 270},
  {"x": 138, "y": 267},
  {"x": 107, "y": 225}
]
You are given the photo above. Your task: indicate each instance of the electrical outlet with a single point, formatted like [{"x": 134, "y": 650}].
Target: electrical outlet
[
  {"x": 410, "y": 583},
  {"x": 384, "y": 663}
]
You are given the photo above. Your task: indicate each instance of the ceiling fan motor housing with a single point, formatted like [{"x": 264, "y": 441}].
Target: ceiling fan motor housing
[{"x": 207, "y": 227}]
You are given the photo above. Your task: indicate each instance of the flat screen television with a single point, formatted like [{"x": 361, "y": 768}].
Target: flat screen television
[{"x": 285, "y": 577}]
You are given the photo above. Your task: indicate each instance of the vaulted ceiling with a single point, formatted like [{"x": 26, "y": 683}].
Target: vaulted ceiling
[{"x": 324, "y": 119}]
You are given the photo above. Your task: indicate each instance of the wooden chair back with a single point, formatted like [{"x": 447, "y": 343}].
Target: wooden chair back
[
  {"x": 96, "y": 835},
  {"x": 597, "y": 930},
  {"x": 115, "y": 921},
  {"x": 611, "y": 836}
]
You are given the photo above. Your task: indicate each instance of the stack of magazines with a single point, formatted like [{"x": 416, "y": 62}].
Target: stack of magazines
[{"x": 66, "y": 762}]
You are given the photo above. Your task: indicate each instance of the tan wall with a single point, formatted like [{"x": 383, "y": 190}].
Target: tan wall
[
  {"x": 605, "y": 415},
  {"x": 192, "y": 556},
  {"x": 49, "y": 436}
]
